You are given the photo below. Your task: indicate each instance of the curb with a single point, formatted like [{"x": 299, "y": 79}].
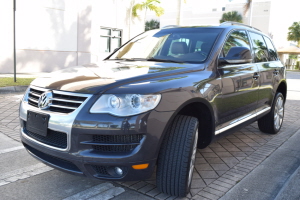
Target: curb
[{"x": 13, "y": 89}]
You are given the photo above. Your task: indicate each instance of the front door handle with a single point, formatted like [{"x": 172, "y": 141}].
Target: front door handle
[{"x": 255, "y": 76}]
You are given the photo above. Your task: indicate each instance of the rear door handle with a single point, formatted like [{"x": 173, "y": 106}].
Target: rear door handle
[{"x": 256, "y": 76}]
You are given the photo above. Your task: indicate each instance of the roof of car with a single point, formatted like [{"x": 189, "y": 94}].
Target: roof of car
[{"x": 224, "y": 24}]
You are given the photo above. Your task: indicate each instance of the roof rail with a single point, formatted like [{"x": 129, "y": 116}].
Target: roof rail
[
  {"x": 170, "y": 26},
  {"x": 239, "y": 24}
]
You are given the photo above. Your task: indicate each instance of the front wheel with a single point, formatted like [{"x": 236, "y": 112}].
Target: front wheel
[
  {"x": 272, "y": 122},
  {"x": 177, "y": 156}
]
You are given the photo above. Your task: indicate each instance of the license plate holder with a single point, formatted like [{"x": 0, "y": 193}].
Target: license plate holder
[{"x": 37, "y": 123}]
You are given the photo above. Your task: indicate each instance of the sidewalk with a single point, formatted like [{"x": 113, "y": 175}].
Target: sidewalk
[{"x": 275, "y": 177}]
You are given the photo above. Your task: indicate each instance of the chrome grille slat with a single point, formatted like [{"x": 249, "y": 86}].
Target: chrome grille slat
[
  {"x": 36, "y": 101},
  {"x": 71, "y": 101},
  {"x": 34, "y": 94},
  {"x": 57, "y": 106},
  {"x": 62, "y": 102}
]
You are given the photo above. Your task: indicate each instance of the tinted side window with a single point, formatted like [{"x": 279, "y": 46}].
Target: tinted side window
[
  {"x": 259, "y": 47},
  {"x": 236, "y": 39},
  {"x": 272, "y": 52}
]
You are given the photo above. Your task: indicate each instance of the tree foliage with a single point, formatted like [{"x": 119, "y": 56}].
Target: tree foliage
[
  {"x": 294, "y": 33},
  {"x": 152, "y": 24},
  {"x": 233, "y": 16},
  {"x": 148, "y": 5},
  {"x": 233, "y": 40}
]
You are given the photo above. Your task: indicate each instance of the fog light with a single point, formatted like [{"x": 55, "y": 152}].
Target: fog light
[{"x": 119, "y": 171}]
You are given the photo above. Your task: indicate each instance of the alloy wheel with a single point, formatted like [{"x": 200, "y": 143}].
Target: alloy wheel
[{"x": 278, "y": 113}]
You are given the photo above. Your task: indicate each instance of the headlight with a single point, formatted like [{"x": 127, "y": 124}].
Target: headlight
[{"x": 125, "y": 104}]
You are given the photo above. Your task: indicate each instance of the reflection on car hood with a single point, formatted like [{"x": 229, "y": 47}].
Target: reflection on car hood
[{"x": 91, "y": 78}]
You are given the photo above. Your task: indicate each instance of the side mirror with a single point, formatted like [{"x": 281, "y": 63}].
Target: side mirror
[{"x": 237, "y": 55}]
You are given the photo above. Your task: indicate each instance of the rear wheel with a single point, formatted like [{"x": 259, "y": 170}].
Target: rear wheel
[
  {"x": 272, "y": 122},
  {"x": 177, "y": 156}
]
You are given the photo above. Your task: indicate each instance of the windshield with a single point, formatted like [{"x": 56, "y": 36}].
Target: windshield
[{"x": 191, "y": 45}]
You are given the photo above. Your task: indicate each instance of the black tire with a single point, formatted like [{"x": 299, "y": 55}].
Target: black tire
[
  {"x": 174, "y": 161},
  {"x": 267, "y": 123}
]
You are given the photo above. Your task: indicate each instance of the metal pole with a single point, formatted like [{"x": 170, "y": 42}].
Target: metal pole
[
  {"x": 14, "y": 19},
  {"x": 179, "y": 13}
]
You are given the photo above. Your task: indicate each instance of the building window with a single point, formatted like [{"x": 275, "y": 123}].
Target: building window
[
  {"x": 214, "y": 9},
  {"x": 223, "y": 8},
  {"x": 110, "y": 39}
]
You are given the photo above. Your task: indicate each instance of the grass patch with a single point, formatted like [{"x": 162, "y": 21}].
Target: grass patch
[{"x": 7, "y": 81}]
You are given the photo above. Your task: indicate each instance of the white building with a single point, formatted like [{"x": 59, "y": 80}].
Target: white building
[
  {"x": 273, "y": 17},
  {"x": 54, "y": 34}
]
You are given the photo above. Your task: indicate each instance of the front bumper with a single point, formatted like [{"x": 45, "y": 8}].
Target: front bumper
[
  {"x": 85, "y": 167},
  {"x": 81, "y": 158}
]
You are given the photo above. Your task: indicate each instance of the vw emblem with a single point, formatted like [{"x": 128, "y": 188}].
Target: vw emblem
[{"x": 45, "y": 100}]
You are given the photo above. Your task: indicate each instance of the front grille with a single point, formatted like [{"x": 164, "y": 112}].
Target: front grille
[
  {"x": 117, "y": 138},
  {"x": 115, "y": 143},
  {"x": 62, "y": 102},
  {"x": 59, "y": 162},
  {"x": 34, "y": 96},
  {"x": 53, "y": 138},
  {"x": 100, "y": 170},
  {"x": 114, "y": 148}
]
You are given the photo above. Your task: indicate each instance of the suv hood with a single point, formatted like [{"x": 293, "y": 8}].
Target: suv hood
[{"x": 94, "y": 78}]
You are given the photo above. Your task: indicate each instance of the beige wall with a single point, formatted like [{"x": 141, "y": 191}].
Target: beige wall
[
  {"x": 54, "y": 34},
  {"x": 261, "y": 16},
  {"x": 273, "y": 17},
  {"x": 200, "y": 12},
  {"x": 6, "y": 36}
]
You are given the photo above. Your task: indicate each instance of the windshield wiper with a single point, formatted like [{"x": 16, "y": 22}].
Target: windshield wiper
[
  {"x": 163, "y": 60},
  {"x": 129, "y": 59}
]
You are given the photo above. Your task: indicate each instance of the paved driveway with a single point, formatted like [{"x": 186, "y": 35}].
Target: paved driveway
[{"x": 218, "y": 168}]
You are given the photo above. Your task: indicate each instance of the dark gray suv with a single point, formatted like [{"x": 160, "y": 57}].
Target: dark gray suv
[{"x": 153, "y": 102}]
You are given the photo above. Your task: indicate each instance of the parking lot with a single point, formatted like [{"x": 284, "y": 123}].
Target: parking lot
[{"x": 219, "y": 168}]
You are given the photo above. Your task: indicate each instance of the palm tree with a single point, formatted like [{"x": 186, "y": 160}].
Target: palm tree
[
  {"x": 233, "y": 16},
  {"x": 148, "y": 4},
  {"x": 294, "y": 33},
  {"x": 248, "y": 7},
  {"x": 152, "y": 24}
]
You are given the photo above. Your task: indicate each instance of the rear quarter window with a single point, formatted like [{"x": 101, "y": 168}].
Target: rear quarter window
[{"x": 271, "y": 49}]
